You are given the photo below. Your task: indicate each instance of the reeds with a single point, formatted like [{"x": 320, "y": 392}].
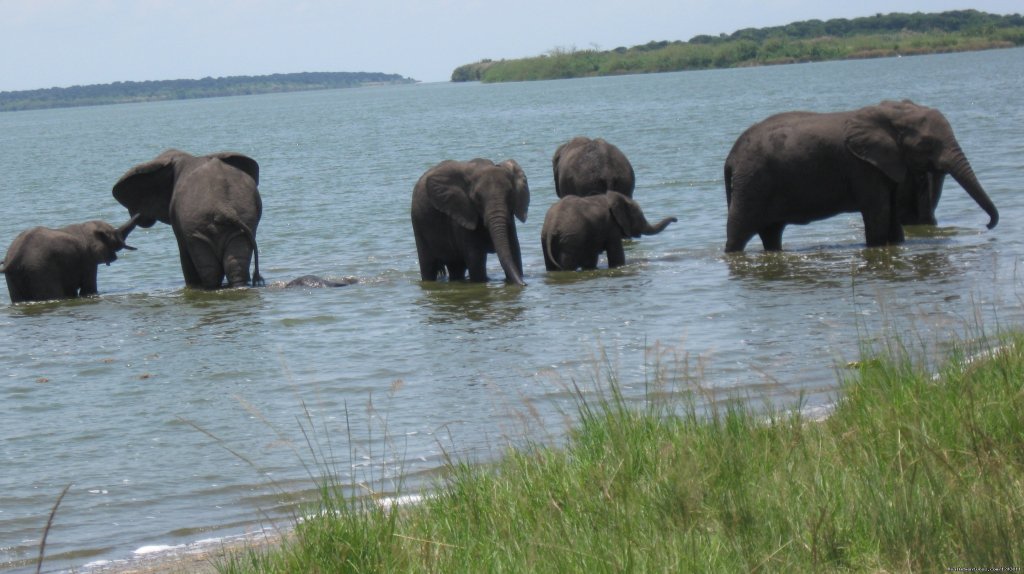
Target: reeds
[{"x": 913, "y": 471}]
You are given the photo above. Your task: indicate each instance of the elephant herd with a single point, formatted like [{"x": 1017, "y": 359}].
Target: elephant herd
[{"x": 886, "y": 161}]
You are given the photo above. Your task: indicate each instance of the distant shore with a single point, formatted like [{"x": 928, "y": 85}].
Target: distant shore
[
  {"x": 132, "y": 92},
  {"x": 877, "y": 36}
]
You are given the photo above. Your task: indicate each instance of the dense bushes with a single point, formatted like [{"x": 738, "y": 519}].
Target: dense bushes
[{"x": 809, "y": 41}]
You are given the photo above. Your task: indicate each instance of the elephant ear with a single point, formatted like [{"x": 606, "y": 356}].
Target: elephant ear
[
  {"x": 618, "y": 205},
  {"x": 146, "y": 190},
  {"x": 521, "y": 189},
  {"x": 446, "y": 188},
  {"x": 240, "y": 161},
  {"x": 871, "y": 136}
]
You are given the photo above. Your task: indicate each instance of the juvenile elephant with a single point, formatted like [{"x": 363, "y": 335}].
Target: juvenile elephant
[
  {"x": 585, "y": 166},
  {"x": 43, "y": 263},
  {"x": 213, "y": 205},
  {"x": 886, "y": 161},
  {"x": 577, "y": 229},
  {"x": 463, "y": 210}
]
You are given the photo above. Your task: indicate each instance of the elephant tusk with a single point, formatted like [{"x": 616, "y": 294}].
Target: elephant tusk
[{"x": 129, "y": 248}]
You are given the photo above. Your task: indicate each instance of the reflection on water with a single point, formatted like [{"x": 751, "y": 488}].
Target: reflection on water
[
  {"x": 481, "y": 304},
  {"x": 836, "y": 267}
]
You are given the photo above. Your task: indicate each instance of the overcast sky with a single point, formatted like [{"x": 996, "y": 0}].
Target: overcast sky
[{"x": 47, "y": 43}]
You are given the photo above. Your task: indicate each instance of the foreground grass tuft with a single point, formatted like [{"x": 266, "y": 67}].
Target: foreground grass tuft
[{"x": 912, "y": 472}]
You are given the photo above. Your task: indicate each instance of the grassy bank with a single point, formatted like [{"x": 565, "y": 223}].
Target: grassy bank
[
  {"x": 912, "y": 472},
  {"x": 809, "y": 41}
]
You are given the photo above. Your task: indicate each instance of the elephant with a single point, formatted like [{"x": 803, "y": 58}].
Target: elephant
[
  {"x": 463, "y": 210},
  {"x": 317, "y": 282},
  {"x": 577, "y": 229},
  {"x": 585, "y": 166},
  {"x": 43, "y": 264},
  {"x": 213, "y": 205},
  {"x": 887, "y": 161}
]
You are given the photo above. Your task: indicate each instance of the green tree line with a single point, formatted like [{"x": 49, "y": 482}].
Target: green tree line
[
  {"x": 126, "y": 92},
  {"x": 807, "y": 41}
]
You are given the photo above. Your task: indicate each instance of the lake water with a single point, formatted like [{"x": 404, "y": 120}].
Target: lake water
[{"x": 181, "y": 416}]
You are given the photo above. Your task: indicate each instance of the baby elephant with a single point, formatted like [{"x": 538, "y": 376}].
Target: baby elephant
[
  {"x": 43, "y": 264},
  {"x": 577, "y": 229}
]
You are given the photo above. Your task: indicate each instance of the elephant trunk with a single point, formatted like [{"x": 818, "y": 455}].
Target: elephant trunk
[
  {"x": 958, "y": 166},
  {"x": 658, "y": 227},
  {"x": 506, "y": 246},
  {"x": 127, "y": 228}
]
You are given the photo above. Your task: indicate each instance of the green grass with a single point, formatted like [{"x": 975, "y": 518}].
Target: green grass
[{"x": 912, "y": 472}]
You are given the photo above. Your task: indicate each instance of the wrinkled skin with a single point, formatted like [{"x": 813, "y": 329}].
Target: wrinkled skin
[
  {"x": 463, "y": 210},
  {"x": 585, "y": 166},
  {"x": 43, "y": 264},
  {"x": 886, "y": 161},
  {"x": 212, "y": 204},
  {"x": 578, "y": 229}
]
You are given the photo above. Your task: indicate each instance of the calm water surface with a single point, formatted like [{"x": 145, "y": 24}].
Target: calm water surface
[{"x": 138, "y": 397}]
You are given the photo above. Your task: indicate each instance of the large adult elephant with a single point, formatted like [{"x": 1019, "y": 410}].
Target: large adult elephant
[
  {"x": 213, "y": 205},
  {"x": 463, "y": 210},
  {"x": 886, "y": 161},
  {"x": 578, "y": 229},
  {"x": 43, "y": 263},
  {"x": 585, "y": 166}
]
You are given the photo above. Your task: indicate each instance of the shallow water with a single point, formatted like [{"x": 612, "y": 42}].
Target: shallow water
[{"x": 180, "y": 416}]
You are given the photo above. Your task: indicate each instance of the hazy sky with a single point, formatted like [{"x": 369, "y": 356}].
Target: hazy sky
[{"x": 47, "y": 43}]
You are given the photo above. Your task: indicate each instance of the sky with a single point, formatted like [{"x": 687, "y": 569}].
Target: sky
[{"x": 60, "y": 43}]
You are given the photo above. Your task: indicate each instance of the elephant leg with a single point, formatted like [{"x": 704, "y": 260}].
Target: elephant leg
[
  {"x": 235, "y": 263},
  {"x": 206, "y": 266},
  {"x": 188, "y": 268},
  {"x": 737, "y": 236},
  {"x": 771, "y": 236},
  {"x": 616, "y": 253},
  {"x": 89, "y": 285},
  {"x": 430, "y": 266},
  {"x": 549, "y": 260},
  {"x": 14, "y": 289},
  {"x": 877, "y": 225},
  {"x": 476, "y": 264}
]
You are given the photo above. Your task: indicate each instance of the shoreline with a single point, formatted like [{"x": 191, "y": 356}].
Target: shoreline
[{"x": 199, "y": 557}]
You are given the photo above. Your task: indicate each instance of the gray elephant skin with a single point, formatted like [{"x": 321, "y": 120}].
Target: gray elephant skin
[
  {"x": 578, "y": 229},
  {"x": 213, "y": 205},
  {"x": 887, "y": 161},
  {"x": 463, "y": 210},
  {"x": 584, "y": 166},
  {"x": 43, "y": 264}
]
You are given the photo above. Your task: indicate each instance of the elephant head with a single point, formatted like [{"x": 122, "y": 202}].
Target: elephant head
[
  {"x": 627, "y": 214},
  {"x": 147, "y": 188},
  {"x": 107, "y": 240},
  {"x": 480, "y": 198},
  {"x": 914, "y": 146}
]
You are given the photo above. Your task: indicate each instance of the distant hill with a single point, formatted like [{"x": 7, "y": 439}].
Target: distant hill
[
  {"x": 126, "y": 92},
  {"x": 808, "y": 41}
]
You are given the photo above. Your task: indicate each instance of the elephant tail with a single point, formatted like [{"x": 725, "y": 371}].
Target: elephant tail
[
  {"x": 257, "y": 279},
  {"x": 728, "y": 184},
  {"x": 549, "y": 249}
]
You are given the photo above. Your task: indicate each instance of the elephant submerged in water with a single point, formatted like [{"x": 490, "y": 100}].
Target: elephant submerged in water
[
  {"x": 584, "y": 166},
  {"x": 887, "y": 161},
  {"x": 43, "y": 263},
  {"x": 463, "y": 210},
  {"x": 212, "y": 204},
  {"x": 578, "y": 229}
]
